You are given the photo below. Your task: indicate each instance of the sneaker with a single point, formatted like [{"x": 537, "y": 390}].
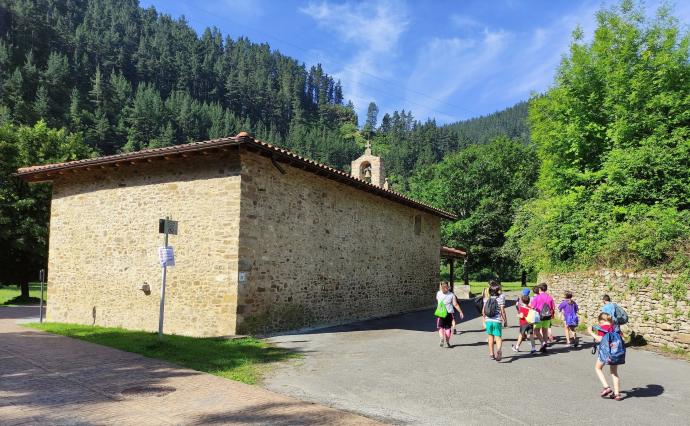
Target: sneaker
[
  {"x": 575, "y": 345},
  {"x": 542, "y": 349},
  {"x": 455, "y": 331},
  {"x": 533, "y": 351},
  {"x": 441, "y": 344},
  {"x": 514, "y": 348},
  {"x": 499, "y": 355},
  {"x": 448, "y": 345}
]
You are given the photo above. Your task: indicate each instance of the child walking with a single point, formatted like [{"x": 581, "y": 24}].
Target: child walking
[
  {"x": 445, "y": 324},
  {"x": 543, "y": 303},
  {"x": 606, "y": 325},
  {"x": 526, "y": 329},
  {"x": 495, "y": 315},
  {"x": 569, "y": 309}
]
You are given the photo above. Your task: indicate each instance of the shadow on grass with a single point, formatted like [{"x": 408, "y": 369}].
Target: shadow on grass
[
  {"x": 236, "y": 359},
  {"x": 19, "y": 300}
]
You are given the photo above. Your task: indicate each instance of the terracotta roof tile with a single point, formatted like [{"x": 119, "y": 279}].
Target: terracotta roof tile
[
  {"x": 48, "y": 172},
  {"x": 452, "y": 252}
]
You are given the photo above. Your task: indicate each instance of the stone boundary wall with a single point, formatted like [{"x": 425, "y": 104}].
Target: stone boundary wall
[{"x": 657, "y": 303}]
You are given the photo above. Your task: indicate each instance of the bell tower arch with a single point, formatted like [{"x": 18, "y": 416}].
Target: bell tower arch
[{"x": 369, "y": 168}]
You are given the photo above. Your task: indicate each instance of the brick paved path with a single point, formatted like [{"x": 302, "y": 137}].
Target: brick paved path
[{"x": 49, "y": 379}]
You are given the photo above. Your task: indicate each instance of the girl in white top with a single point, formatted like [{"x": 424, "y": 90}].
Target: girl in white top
[{"x": 445, "y": 325}]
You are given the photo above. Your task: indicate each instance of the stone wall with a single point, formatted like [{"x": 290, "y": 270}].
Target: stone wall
[
  {"x": 656, "y": 303},
  {"x": 104, "y": 239},
  {"x": 315, "y": 252}
]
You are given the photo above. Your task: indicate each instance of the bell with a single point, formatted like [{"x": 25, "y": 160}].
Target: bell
[{"x": 367, "y": 173}]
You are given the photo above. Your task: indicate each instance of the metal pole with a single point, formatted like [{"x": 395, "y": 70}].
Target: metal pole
[
  {"x": 41, "y": 276},
  {"x": 452, "y": 273},
  {"x": 163, "y": 274}
]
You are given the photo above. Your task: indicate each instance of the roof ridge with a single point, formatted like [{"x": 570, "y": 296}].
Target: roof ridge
[
  {"x": 241, "y": 138},
  {"x": 347, "y": 175}
]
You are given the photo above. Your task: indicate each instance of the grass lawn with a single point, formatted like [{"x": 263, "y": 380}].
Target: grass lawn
[
  {"x": 476, "y": 287},
  {"x": 244, "y": 360},
  {"x": 11, "y": 295}
]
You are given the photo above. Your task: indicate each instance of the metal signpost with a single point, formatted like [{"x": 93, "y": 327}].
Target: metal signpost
[
  {"x": 166, "y": 256},
  {"x": 41, "y": 278}
]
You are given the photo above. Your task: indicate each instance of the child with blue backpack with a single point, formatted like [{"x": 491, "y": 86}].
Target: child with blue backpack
[
  {"x": 611, "y": 352},
  {"x": 569, "y": 309}
]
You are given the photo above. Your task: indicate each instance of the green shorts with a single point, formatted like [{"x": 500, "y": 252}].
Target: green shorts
[
  {"x": 493, "y": 328},
  {"x": 543, "y": 324}
]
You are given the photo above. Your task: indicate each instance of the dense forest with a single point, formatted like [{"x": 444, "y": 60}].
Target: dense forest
[
  {"x": 83, "y": 78},
  {"x": 407, "y": 145},
  {"x": 128, "y": 78},
  {"x": 511, "y": 122}
]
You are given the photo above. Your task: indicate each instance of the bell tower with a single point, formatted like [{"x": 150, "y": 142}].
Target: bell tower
[{"x": 369, "y": 168}]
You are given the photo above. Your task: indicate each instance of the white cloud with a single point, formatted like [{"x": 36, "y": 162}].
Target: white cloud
[
  {"x": 496, "y": 66},
  {"x": 448, "y": 65},
  {"x": 374, "y": 28},
  {"x": 465, "y": 22}
]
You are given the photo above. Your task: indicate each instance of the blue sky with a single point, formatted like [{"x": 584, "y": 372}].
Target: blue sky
[{"x": 448, "y": 60}]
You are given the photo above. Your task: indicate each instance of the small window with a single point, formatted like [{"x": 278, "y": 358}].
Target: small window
[{"x": 417, "y": 224}]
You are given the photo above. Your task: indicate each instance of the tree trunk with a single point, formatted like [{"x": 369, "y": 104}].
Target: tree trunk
[
  {"x": 524, "y": 278},
  {"x": 24, "y": 286}
]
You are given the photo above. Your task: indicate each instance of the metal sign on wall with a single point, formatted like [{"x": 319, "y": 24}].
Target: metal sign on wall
[{"x": 167, "y": 226}]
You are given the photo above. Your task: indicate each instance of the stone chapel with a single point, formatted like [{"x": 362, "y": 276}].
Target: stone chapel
[{"x": 267, "y": 240}]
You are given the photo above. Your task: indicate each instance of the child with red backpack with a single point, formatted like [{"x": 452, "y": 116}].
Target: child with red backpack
[{"x": 611, "y": 352}]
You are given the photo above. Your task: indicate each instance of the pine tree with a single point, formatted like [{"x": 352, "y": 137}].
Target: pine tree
[{"x": 372, "y": 117}]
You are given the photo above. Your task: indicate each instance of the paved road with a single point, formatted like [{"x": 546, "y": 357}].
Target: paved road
[
  {"x": 53, "y": 380},
  {"x": 394, "y": 370}
]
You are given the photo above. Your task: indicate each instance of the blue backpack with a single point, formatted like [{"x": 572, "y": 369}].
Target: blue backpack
[{"x": 611, "y": 348}]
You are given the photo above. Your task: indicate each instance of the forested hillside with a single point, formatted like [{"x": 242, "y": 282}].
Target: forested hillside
[
  {"x": 511, "y": 122},
  {"x": 129, "y": 78},
  {"x": 407, "y": 145}
]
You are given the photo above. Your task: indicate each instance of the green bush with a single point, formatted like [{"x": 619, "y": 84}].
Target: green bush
[{"x": 613, "y": 138}]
